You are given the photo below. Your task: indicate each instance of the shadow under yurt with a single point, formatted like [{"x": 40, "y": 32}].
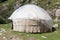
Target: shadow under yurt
[{"x": 31, "y": 19}]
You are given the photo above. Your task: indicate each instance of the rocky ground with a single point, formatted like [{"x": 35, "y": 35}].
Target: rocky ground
[{"x": 6, "y": 33}]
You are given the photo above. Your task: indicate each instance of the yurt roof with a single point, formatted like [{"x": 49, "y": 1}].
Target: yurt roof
[{"x": 30, "y": 11}]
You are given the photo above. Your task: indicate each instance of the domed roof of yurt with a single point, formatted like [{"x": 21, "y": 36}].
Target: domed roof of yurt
[{"x": 30, "y": 11}]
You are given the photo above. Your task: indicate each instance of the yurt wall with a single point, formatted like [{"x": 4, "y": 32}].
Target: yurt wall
[{"x": 29, "y": 26}]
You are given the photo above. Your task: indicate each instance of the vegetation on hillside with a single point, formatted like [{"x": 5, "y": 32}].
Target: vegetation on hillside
[
  {"x": 9, "y": 34},
  {"x": 7, "y": 7},
  {"x": 6, "y": 32}
]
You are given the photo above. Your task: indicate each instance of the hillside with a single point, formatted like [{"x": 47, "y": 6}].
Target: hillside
[
  {"x": 6, "y": 33},
  {"x": 6, "y": 9},
  {"x": 8, "y": 6}
]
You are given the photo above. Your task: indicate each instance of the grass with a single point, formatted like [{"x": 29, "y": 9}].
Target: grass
[{"x": 27, "y": 36}]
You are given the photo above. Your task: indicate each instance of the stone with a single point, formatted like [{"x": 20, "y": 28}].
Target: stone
[
  {"x": 4, "y": 38},
  {"x": 43, "y": 36},
  {"x": 3, "y": 30},
  {"x": 57, "y": 12},
  {"x": 55, "y": 25},
  {"x": 1, "y": 33},
  {"x": 14, "y": 38}
]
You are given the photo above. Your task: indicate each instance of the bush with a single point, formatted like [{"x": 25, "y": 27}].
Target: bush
[
  {"x": 2, "y": 1},
  {"x": 2, "y": 20}
]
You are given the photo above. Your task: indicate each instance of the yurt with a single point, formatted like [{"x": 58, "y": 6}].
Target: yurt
[{"x": 31, "y": 18}]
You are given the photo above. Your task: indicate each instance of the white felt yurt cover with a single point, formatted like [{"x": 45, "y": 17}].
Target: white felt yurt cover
[{"x": 30, "y": 11}]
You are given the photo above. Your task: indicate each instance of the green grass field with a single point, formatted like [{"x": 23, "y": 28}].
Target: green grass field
[{"x": 27, "y": 36}]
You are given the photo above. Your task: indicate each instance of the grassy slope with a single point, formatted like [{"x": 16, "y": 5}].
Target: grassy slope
[
  {"x": 26, "y": 36},
  {"x": 50, "y": 36}
]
